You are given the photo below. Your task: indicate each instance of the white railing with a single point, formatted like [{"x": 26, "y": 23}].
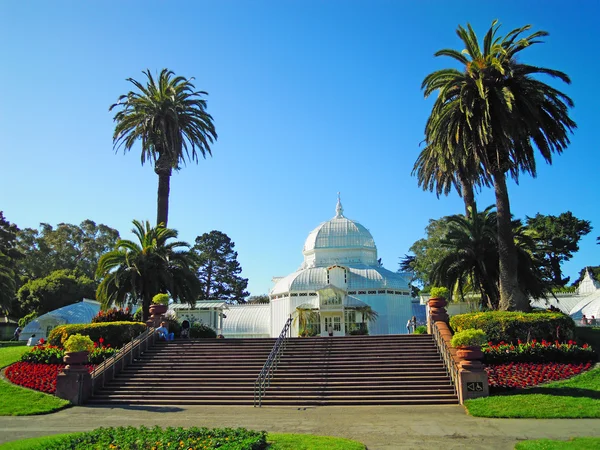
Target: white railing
[{"x": 263, "y": 381}]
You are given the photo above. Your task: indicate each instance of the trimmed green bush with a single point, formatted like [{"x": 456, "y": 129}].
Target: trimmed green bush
[
  {"x": 589, "y": 335},
  {"x": 115, "y": 334},
  {"x": 421, "y": 329},
  {"x": 511, "y": 326},
  {"x": 469, "y": 338},
  {"x": 439, "y": 292},
  {"x": 199, "y": 330}
]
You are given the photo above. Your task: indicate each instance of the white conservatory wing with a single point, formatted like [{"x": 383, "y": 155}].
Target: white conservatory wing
[{"x": 245, "y": 321}]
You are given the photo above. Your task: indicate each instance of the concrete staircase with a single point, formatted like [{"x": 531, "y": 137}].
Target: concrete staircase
[{"x": 352, "y": 370}]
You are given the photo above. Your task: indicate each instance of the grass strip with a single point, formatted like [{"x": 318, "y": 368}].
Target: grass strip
[
  {"x": 584, "y": 443},
  {"x": 575, "y": 398}
]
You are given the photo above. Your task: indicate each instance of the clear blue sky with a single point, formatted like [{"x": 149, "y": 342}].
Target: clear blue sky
[{"x": 308, "y": 97}]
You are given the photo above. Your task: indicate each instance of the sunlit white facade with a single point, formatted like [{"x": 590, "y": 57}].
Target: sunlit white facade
[{"x": 339, "y": 276}]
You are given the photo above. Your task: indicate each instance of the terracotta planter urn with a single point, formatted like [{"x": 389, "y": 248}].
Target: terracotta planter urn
[
  {"x": 437, "y": 302},
  {"x": 76, "y": 361},
  {"x": 437, "y": 309},
  {"x": 470, "y": 358},
  {"x": 158, "y": 309}
]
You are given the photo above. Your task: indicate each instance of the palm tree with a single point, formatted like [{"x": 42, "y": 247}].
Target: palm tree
[
  {"x": 472, "y": 259},
  {"x": 140, "y": 270},
  {"x": 304, "y": 317},
  {"x": 497, "y": 112},
  {"x": 170, "y": 119}
]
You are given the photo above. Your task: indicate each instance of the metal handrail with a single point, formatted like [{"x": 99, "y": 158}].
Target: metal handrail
[
  {"x": 444, "y": 350},
  {"x": 263, "y": 381},
  {"x": 140, "y": 344}
]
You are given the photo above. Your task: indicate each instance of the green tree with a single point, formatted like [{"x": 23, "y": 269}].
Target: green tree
[
  {"x": 557, "y": 238},
  {"x": 137, "y": 271},
  {"x": 427, "y": 252},
  {"x": 259, "y": 299},
  {"x": 60, "y": 288},
  {"x": 68, "y": 246},
  {"x": 218, "y": 268},
  {"x": 471, "y": 259},
  {"x": 497, "y": 112},
  {"x": 169, "y": 117},
  {"x": 9, "y": 255}
]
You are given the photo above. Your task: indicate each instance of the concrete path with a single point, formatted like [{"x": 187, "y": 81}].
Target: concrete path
[{"x": 380, "y": 428}]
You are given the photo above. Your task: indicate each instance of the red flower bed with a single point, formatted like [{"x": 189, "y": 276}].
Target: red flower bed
[
  {"x": 41, "y": 377},
  {"x": 522, "y": 375}
]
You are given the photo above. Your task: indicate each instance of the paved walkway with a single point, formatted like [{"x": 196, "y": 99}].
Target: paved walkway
[{"x": 379, "y": 428}]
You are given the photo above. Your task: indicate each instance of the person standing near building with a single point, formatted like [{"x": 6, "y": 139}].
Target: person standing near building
[
  {"x": 414, "y": 323},
  {"x": 17, "y": 333},
  {"x": 409, "y": 325}
]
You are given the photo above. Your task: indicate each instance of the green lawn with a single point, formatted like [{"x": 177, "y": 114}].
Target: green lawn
[
  {"x": 577, "y": 397},
  {"x": 9, "y": 355},
  {"x": 277, "y": 441},
  {"x": 18, "y": 401},
  {"x": 586, "y": 443}
]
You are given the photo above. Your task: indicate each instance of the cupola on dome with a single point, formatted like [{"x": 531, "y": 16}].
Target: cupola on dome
[{"x": 339, "y": 240}]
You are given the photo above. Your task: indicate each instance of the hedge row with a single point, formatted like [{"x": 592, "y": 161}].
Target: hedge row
[
  {"x": 513, "y": 326},
  {"x": 116, "y": 334}
]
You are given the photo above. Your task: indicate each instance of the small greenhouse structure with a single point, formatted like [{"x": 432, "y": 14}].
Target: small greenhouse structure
[{"x": 81, "y": 312}]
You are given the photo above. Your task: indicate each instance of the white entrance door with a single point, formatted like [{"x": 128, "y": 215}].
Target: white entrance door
[{"x": 333, "y": 324}]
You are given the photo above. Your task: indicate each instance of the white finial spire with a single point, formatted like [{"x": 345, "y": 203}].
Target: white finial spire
[{"x": 339, "y": 209}]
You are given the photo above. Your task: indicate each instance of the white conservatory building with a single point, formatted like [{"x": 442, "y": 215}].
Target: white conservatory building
[
  {"x": 336, "y": 287},
  {"x": 339, "y": 277}
]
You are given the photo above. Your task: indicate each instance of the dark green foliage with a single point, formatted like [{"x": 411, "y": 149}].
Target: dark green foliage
[
  {"x": 588, "y": 335},
  {"x": 68, "y": 246},
  {"x": 130, "y": 438},
  {"x": 60, "y": 288},
  {"x": 219, "y": 269},
  {"x": 115, "y": 334},
  {"x": 155, "y": 264},
  {"x": 421, "y": 329},
  {"x": 9, "y": 255},
  {"x": 200, "y": 330},
  {"x": 514, "y": 326},
  {"x": 114, "y": 315},
  {"x": 168, "y": 116},
  {"x": 26, "y": 319},
  {"x": 556, "y": 239},
  {"x": 489, "y": 117}
]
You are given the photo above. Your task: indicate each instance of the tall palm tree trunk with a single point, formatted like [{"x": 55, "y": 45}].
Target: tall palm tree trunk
[
  {"x": 511, "y": 296},
  {"x": 163, "y": 170},
  {"x": 468, "y": 196}
]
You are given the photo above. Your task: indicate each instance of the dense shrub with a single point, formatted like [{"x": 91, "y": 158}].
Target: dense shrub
[
  {"x": 162, "y": 439},
  {"x": 513, "y": 326},
  {"x": 589, "y": 335},
  {"x": 137, "y": 315},
  {"x": 535, "y": 351},
  {"x": 421, "y": 329},
  {"x": 199, "y": 330},
  {"x": 113, "y": 315},
  {"x": 51, "y": 354},
  {"x": 115, "y": 334}
]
